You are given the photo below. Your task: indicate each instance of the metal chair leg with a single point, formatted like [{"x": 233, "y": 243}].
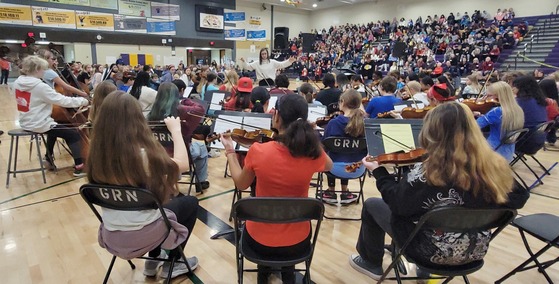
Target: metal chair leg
[{"x": 109, "y": 270}]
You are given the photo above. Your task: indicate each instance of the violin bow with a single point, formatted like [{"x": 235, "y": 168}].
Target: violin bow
[{"x": 484, "y": 85}]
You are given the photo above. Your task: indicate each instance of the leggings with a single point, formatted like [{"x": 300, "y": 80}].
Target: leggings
[
  {"x": 288, "y": 273},
  {"x": 186, "y": 210},
  {"x": 72, "y": 138}
]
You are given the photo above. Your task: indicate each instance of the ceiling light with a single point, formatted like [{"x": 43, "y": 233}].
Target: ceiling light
[{"x": 314, "y": 5}]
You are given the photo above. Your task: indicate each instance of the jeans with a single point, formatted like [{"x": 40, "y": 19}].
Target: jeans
[
  {"x": 199, "y": 154},
  {"x": 375, "y": 222},
  {"x": 4, "y": 77}
]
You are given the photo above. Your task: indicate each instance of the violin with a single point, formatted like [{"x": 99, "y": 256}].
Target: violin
[
  {"x": 323, "y": 121},
  {"x": 399, "y": 158},
  {"x": 481, "y": 106},
  {"x": 247, "y": 138},
  {"x": 386, "y": 114},
  {"x": 415, "y": 113}
]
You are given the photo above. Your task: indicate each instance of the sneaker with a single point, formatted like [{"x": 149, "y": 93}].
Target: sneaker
[
  {"x": 329, "y": 197},
  {"x": 214, "y": 153},
  {"x": 48, "y": 165},
  {"x": 348, "y": 197},
  {"x": 205, "y": 184},
  {"x": 179, "y": 268},
  {"x": 365, "y": 267},
  {"x": 79, "y": 170},
  {"x": 422, "y": 273},
  {"x": 151, "y": 266}
]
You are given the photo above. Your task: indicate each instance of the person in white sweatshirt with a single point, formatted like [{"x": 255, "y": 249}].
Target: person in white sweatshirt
[
  {"x": 266, "y": 68},
  {"x": 34, "y": 102}
]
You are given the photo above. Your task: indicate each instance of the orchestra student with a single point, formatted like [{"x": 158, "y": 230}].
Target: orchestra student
[{"x": 283, "y": 168}]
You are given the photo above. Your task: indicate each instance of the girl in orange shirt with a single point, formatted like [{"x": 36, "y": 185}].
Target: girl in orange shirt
[{"x": 297, "y": 155}]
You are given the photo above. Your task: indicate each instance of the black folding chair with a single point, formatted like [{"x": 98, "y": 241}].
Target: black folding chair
[
  {"x": 522, "y": 151},
  {"x": 544, "y": 227},
  {"x": 512, "y": 138},
  {"x": 344, "y": 145},
  {"x": 162, "y": 134},
  {"x": 275, "y": 211},
  {"x": 125, "y": 198},
  {"x": 450, "y": 219}
]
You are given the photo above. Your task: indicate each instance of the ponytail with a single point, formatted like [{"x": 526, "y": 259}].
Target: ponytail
[
  {"x": 356, "y": 125},
  {"x": 301, "y": 139},
  {"x": 257, "y": 107},
  {"x": 298, "y": 136}
]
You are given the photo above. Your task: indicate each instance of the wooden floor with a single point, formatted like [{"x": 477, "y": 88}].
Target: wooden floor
[{"x": 49, "y": 235}]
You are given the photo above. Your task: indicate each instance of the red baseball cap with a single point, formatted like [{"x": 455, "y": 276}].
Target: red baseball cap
[{"x": 245, "y": 85}]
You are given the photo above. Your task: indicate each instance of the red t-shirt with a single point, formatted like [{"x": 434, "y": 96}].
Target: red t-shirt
[{"x": 280, "y": 175}]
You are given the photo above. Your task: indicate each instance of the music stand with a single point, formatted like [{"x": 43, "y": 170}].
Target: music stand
[
  {"x": 380, "y": 143},
  {"x": 215, "y": 99}
]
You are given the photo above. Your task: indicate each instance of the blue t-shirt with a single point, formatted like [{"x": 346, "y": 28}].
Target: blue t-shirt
[
  {"x": 381, "y": 104},
  {"x": 336, "y": 128},
  {"x": 493, "y": 119}
]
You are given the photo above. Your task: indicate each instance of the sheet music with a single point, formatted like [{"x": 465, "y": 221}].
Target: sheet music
[
  {"x": 222, "y": 126},
  {"x": 272, "y": 103},
  {"x": 400, "y": 132},
  {"x": 260, "y": 122},
  {"x": 216, "y": 99},
  {"x": 187, "y": 92},
  {"x": 315, "y": 112}
]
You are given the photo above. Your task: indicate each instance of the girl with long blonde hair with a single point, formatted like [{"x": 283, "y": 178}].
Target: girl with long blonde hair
[
  {"x": 502, "y": 119},
  {"x": 460, "y": 170},
  {"x": 349, "y": 124}
]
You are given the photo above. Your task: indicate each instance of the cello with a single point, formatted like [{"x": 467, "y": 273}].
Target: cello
[{"x": 70, "y": 116}]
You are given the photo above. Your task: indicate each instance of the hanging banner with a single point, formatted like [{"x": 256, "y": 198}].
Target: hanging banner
[
  {"x": 138, "y": 8},
  {"x": 72, "y": 2},
  {"x": 235, "y": 34},
  {"x": 259, "y": 35},
  {"x": 165, "y": 11},
  {"x": 94, "y": 21},
  {"x": 233, "y": 17},
  {"x": 104, "y": 4},
  {"x": 51, "y": 17},
  {"x": 255, "y": 21},
  {"x": 161, "y": 27},
  {"x": 15, "y": 14},
  {"x": 130, "y": 24}
]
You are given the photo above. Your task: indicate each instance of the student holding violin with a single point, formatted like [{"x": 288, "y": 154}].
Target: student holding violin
[
  {"x": 349, "y": 124},
  {"x": 259, "y": 97},
  {"x": 502, "y": 119},
  {"x": 459, "y": 171},
  {"x": 283, "y": 168},
  {"x": 386, "y": 101},
  {"x": 531, "y": 100},
  {"x": 168, "y": 103},
  {"x": 52, "y": 77},
  {"x": 35, "y": 100}
]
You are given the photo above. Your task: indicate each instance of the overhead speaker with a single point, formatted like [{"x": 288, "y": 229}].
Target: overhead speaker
[
  {"x": 281, "y": 37},
  {"x": 399, "y": 49},
  {"x": 308, "y": 42}
]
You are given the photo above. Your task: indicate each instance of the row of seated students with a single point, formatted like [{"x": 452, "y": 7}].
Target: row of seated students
[{"x": 123, "y": 152}]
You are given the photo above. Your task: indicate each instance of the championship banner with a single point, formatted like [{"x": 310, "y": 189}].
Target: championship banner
[
  {"x": 234, "y": 34},
  {"x": 94, "y": 21},
  {"x": 259, "y": 35},
  {"x": 130, "y": 24},
  {"x": 104, "y": 4},
  {"x": 138, "y": 8},
  {"x": 165, "y": 11},
  {"x": 54, "y": 18},
  {"x": 161, "y": 27},
  {"x": 234, "y": 17},
  {"x": 15, "y": 14},
  {"x": 71, "y": 2}
]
